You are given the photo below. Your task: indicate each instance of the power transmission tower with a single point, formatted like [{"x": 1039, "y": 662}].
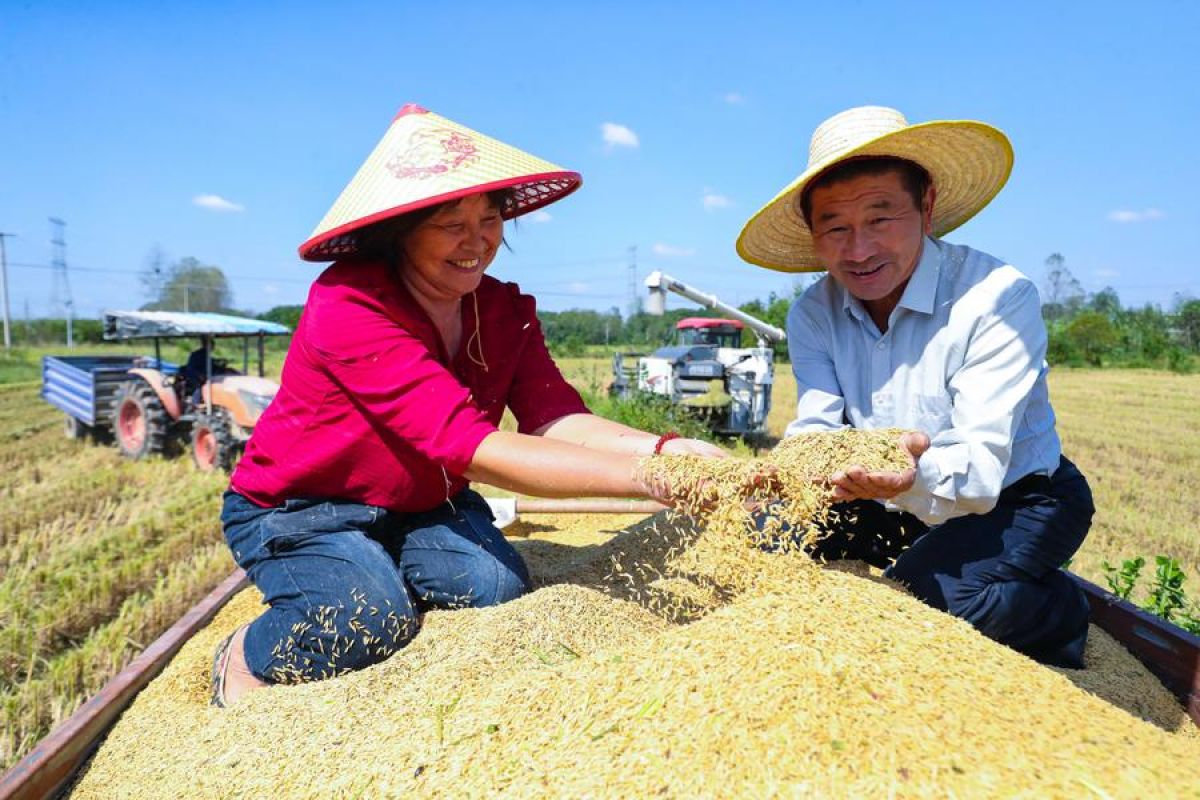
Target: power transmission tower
[
  {"x": 60, "y": 294},
  {"x": 634, "y": 305},
  {"x": 4, "y": 290}
]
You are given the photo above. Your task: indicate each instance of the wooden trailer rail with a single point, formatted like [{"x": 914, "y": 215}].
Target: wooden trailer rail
[
  {"x": 1170, "y": 652},
  {"x": 52, "y": 763}
]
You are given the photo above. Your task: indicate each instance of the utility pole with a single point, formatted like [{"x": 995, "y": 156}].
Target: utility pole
[
  {"x": 4, "y": 290},
  {"x": 633, "y": 281},
  {"x": 59, "y": 262}
]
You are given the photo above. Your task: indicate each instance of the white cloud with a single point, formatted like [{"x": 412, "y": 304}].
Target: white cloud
[
  {"x": 1125, "y": 216},
  {"x": 579, "y": 287},
  {"x": 618, "y": 135},
  {"x": 1106, "y": 273},
  {"x": 540, "y": 216},
  {"x": 270, "y": 289},
  {"x": 214, "y": 202},
  {"x": 712, "y": 200},
  {"x": 734, "y": 98},
  {"x": 671, "y": 251}
]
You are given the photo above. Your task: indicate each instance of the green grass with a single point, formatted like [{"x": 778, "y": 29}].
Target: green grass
[{"x": 98, "y": 556}]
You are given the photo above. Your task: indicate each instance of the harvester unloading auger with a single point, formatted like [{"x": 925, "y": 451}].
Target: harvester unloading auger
[{"x": 706, "y": 369}]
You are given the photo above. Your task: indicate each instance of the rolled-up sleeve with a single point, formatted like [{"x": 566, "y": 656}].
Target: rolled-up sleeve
[
  {"x": 393, "y": 379},
  {"x": 539, "y": 394},
  {"x": 820, "y": 405},
  {"x": 964, "y": 469}
]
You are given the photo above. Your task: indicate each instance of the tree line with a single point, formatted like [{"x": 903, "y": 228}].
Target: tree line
[
  {"x": 1085, "y": 329},
  {"x": 1095, "y": 330}
]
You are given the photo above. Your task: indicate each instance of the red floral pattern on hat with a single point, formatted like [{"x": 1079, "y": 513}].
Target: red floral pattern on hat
[{"x": 432, "y": 152}]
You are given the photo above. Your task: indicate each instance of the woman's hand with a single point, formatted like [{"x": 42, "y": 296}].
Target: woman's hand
[
  {"x": 721, "y": 484},
  {"x": 693, "y": 447},
  {"x": 856, "y": 483}
]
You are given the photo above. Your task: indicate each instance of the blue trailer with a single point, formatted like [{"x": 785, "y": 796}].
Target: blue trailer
[{"x": 84, "y": 388}]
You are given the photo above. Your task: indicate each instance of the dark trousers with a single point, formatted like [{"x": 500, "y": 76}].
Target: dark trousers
[
  {"x": 1000, "y": 571},
  {"x": 346, "y": 582}
]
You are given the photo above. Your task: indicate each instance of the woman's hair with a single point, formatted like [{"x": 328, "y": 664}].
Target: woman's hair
[{"x": 379, "y": 240}]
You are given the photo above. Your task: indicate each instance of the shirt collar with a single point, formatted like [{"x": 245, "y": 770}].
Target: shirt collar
[{"x": 921, "y": 291}]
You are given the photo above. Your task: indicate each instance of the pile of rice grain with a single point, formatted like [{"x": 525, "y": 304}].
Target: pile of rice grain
[
  {"x": 787, "y": 678},
  {"x": 792, "y": 481}
]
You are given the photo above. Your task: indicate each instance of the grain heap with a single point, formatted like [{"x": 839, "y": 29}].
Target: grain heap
[
  {"x": 791, "y": 481},
  {"x": 789, "y": 678}
]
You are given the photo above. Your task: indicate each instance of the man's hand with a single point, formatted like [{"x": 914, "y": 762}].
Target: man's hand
[
  {"x": 856, "y": 483},
  {"x": 693, "y": 447}
]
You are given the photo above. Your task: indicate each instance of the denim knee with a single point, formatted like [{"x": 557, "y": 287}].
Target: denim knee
[
  {"x": 458, "y": 559},
  {"x": 336, "y": 599},
  {"x": 298, "y": 643}
]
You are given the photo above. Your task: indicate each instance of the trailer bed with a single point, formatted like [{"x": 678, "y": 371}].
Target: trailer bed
[{"x": 84, "y": 387}]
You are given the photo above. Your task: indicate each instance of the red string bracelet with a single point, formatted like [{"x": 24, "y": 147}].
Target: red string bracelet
[{"x": 662, "y": 440}]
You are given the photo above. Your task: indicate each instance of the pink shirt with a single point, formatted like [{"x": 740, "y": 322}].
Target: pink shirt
[{"x": 372, "y": 408}]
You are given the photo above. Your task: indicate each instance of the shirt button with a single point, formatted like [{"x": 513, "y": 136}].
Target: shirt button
[{"x": 881, "y": 345}]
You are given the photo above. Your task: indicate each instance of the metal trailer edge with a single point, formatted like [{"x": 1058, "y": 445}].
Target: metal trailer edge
[{"x": 83, "y": 387}]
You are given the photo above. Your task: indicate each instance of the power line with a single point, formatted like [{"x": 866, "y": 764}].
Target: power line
[
  {"x": 275, "y": 279},
  {"x": 109, "y": 271},
  {"x": 633, "y": 281}
]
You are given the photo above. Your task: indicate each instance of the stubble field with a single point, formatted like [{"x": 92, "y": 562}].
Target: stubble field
[{"x": 98, "y": 555}]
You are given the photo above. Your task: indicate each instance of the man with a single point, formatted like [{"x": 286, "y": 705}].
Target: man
[{"x": 910, "y": 331}]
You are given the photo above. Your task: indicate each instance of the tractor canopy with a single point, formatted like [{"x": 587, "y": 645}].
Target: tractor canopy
[{"x": 123, "y": 325}]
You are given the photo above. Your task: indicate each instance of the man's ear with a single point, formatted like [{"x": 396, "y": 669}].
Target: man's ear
[{"x": 927, "y": 209}]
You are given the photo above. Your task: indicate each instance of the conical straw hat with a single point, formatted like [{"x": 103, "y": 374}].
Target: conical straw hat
[
  {"x": 424, "y": 160},
  {"x": 969, "y": 163}
]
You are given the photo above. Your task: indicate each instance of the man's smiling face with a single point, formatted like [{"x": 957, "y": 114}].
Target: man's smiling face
[{"x": 868, "y": 232}]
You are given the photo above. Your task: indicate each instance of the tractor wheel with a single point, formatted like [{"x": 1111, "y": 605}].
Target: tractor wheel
[
  {"x": 76, "y": 430},
  {"x": 213, "y": 445},
  {"x": 140, "y": 423}
]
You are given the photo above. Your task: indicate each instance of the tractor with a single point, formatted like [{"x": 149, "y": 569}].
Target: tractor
[{"x": 147, "y": 406}]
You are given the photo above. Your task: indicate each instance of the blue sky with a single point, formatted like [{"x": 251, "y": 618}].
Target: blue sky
[{"x": 225, "y": 130}]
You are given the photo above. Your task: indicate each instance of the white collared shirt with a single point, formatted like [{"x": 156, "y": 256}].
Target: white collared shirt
[{"x": 963, "y": 359}]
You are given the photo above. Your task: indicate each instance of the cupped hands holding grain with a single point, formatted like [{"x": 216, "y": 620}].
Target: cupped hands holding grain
[
  {"x": 863, "y": 482},
  {"x": 794, "y": 486}
]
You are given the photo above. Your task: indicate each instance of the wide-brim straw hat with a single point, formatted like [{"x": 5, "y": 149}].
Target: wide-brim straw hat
[
  {"x": 425, "y": 160},
  {"x": 969, "y": 162}
]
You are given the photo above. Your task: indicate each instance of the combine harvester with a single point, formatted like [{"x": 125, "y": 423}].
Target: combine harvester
[{"x": 706, "y": 370}]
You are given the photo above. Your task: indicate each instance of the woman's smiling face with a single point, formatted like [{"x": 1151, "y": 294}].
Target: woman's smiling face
[{"x": 445, "y": 256}]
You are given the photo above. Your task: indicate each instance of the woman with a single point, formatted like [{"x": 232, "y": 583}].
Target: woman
[{"x": 351, "y": 509}]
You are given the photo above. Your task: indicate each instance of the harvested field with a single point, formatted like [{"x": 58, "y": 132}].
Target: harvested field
[{"x": 787, "y": 679}]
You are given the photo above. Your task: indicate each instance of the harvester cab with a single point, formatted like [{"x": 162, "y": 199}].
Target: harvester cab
[
  {"x": 148, "y": 405},
  {"x": 706, "y": 369}
]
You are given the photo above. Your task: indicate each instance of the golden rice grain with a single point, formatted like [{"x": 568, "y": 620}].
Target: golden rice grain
[{"x": 666, "y": 659}]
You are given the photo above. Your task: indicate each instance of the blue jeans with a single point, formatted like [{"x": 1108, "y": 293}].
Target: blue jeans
[
  {"x": 1000, "y": 571},
  {"x": 346, "y": 582}
]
